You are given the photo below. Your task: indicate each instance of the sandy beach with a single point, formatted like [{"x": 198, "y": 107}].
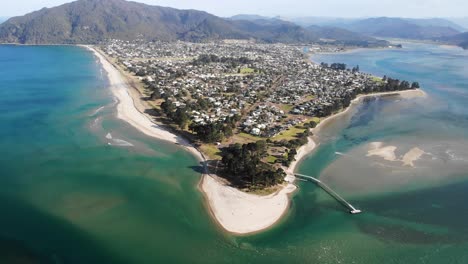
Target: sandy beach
[
  {"x": 243, "y": 213},
  {"x": 235, "y": 211}
]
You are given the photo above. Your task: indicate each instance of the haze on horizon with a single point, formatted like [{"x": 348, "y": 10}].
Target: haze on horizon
[{"x": 291, "y": 8}]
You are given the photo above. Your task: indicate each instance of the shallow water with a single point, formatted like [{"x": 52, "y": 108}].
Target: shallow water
[{"x": 69, "y": 194}]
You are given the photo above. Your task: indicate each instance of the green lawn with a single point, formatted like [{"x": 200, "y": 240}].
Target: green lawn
[
  {"x": 246, "y": 71},
  {"x": 271, "y": 159},
  {"x": 211, "y": 151},
  {"x": 315, "y": 119},
  {"x": 289, "y": 134},
  {"x": 244, "y": 138},
  {"x": 286, "y": 108},
  {"x": 377, "y": 79}
]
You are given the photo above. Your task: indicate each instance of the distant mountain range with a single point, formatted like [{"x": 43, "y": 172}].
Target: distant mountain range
[
  {"x": 93, "y": 21},
  {"x": 436, "y": 29},
  {"x": 391, "y": 27},
  {"x": 3, "y": 19},
  {"x": 250, "y": 17},
  {"x": 462, "y": 21},
  {"x": 321, "y": 33}
]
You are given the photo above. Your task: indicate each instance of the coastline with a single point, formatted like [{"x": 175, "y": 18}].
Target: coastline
[
  {"x": 405, "y": 94},
  {"x": 235, "y": 211},
  {"x": 129, "y": 112}
]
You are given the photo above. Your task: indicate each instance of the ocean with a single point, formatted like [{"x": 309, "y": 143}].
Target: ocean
[{"x": 77, "y": 185}]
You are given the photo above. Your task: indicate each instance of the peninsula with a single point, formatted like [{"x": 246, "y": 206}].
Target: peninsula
[{"x": 246, "y": 110}]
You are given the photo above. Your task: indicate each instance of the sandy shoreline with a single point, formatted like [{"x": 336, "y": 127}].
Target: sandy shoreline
[
  {"x": 357, "y": 100},
  {"x": 127, "y": 111},
  {"x": 235, "y": 211},
  {"x": 243, "y": 213}
]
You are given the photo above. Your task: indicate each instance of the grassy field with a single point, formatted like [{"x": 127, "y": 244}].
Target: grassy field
[
  {"x": 377, "y": 79},
  {"x": 246, "y": 71},
  {"x": 315, "y": 119},
  {"x": 270, "y": 159},
  {"x": 244, "y": 138},
  {"x": 289, "y": 134},
  {"x": 286, "y": 108},
  {"x": 211, "y": 151}
]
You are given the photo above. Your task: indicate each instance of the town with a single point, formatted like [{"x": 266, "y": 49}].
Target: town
[{"x": 239, "y": 92}]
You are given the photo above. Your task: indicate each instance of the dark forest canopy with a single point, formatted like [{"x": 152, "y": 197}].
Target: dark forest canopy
[{"x": 244, "y": 165}]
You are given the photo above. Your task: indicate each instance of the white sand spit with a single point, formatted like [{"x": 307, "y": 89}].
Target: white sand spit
[
  {"x": 388, "y": 153},
  {"x": 377, "y": 149},
  {"x": 242, "y": 213},
  {"x": 236, "y": 211},
  {"x": 411, "y": 156}
]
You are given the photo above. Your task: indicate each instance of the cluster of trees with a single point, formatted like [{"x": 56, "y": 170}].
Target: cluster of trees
[
  {"x": 337, "y": 104},
  {"x": 339, "y": 67},
  {"x": 397, "y": 85},
  {"x": 206, "y": 132},
  {"x": 334, "y": 66},
  {"x": 212, "y": 132},
  {"x": 211, "y": 58},
  {"x": 178, "y": 115},
  {"x": 386, "y": 85},
  {"x": 243, "y": 163},
  {"x": 300, "y": 140},
  {"x": 216, "y": 131},
  {"x": 371, "y": 86}
]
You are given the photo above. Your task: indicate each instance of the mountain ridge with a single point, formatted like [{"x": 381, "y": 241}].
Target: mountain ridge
[
  {"x": 389, "y": 27},
  {"x": 400, "y": 28},
  {"x": 94, "y": 21}
]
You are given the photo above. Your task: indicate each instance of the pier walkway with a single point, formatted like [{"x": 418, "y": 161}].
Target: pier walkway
[{"x": 334, "y": 194}]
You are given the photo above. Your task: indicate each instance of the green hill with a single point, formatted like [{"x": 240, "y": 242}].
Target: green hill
[{"x": 93, "y": 21}]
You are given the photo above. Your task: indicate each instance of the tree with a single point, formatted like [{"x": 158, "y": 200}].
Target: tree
[
  {"x": 181, "y": 118},
  {"x": 244, "y": 164},
  {"x": 415, "y": 85},
  {"x": 168, "y": 108}
]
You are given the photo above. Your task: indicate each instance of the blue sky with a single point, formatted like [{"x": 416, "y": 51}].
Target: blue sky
[{"x": 329, "y": 8}]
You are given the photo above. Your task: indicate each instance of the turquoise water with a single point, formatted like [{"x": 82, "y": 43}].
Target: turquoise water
[{"x": 71, "y": 194}]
